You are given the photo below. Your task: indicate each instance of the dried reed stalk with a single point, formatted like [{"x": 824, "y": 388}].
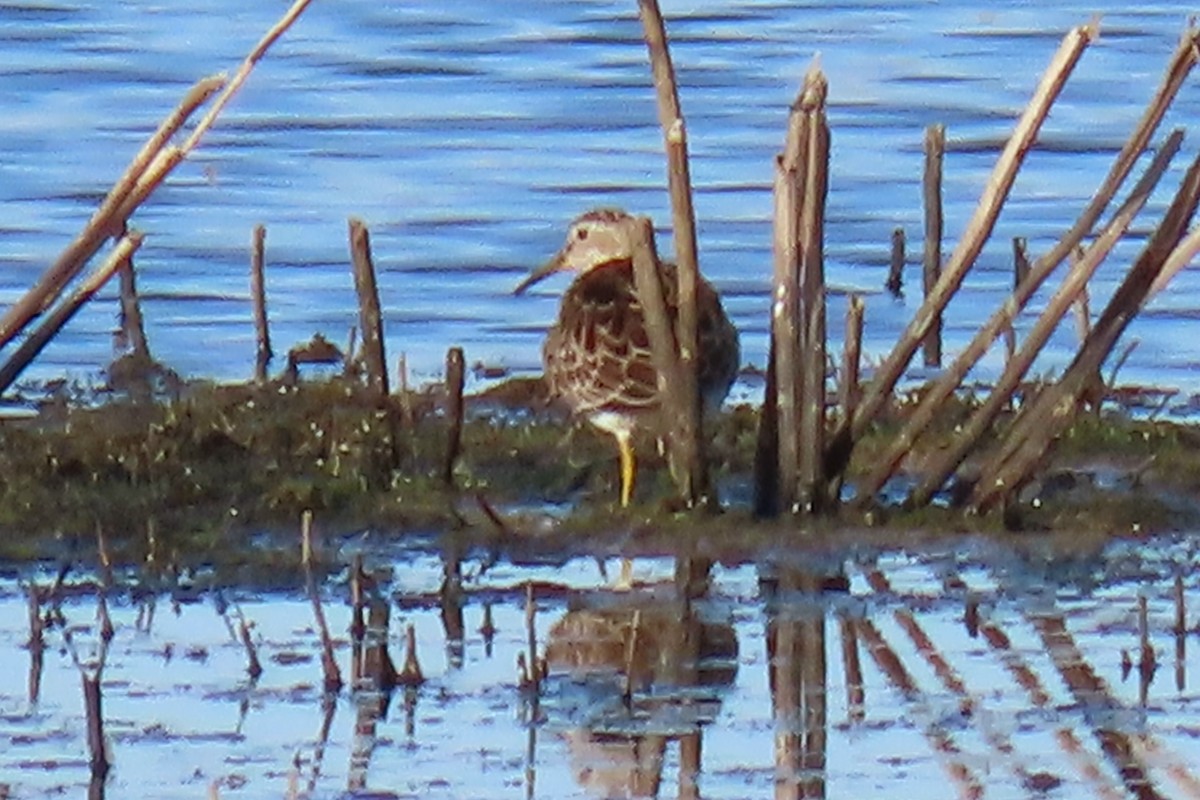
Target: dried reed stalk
[
  {"x": 133, "y": 327},
  {"x": 455, "y": 379},
  {"x": 949, "y": 459},
  {"x": 778, "y": 451},
  {"x": 1042, "y": 420},
  {"x": 647, "y": 278},
  {"x": 148, "y": 169},
  {"x": 370, "y": 318},
  {"x": 253, "y": 665},
  {"x": 62, "y": 314},
  {"x": 851, "y": 356},
  {"x": 687, "y": 443},
  {"x": 258, "y": 296},
  {"x": 936, "y": 393},
  {"x": 329, "y": 666},
  {"x": 895, "y": 278},
  {"x": 106, "y": 221},
  {"x": 978, "y": 230},
  {"x": 766, "y": 445},
  {"x": 812, "y": 492},
  {"x": 849, "y": 374},
  {"x": 931, "y": 258},
  {"x": 785, "y": 336},
  {"x": 1021, "y": 265},
  {"x": 535, "y": 674}
]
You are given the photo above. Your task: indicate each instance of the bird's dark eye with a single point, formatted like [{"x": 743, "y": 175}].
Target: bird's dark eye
[{"x": 581, "y": 234}]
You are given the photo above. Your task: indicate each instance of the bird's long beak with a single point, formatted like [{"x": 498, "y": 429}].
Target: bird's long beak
[{"x": 555, "y": 264}]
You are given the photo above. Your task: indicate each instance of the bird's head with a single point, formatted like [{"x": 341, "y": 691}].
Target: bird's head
[{"x": 596, "y": 237}]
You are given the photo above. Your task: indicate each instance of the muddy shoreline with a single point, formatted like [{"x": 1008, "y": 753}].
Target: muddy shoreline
[{"x": 221, "y": 474}]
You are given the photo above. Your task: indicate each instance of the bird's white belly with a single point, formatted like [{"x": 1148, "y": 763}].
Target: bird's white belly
[{"x": 612, "y": 422}]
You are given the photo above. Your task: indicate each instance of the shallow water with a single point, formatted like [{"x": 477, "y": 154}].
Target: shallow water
[
  {"x": 468, "y": 138},
  {"x": 1032, "y": 696}
]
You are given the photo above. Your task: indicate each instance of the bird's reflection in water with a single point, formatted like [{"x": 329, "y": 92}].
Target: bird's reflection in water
[{"x": 631, "y": 673}]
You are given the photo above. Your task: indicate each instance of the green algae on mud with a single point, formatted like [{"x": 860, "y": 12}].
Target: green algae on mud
[{"x": 200, "y": 473}]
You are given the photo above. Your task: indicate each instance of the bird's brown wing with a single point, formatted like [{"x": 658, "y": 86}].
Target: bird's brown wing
[{"x": 597, "y": 356}]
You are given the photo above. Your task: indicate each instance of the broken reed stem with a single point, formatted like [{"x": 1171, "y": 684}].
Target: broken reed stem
[
  {"x": 370, "y": 318},
  {"x": 411, "y": 674},
  {"x": 455, "y": 378},
  {"x": 766, "y": 445},
  {"x": 1082, "y": 307},
  {"x": 253, "y": 665},
  {"x": 851, "y": 356},
  {"x": 785, "y": 332},
  {"x": 62, "y": 314},
  {"x": 243, "y": 72},
  {"x": 105, "y": 584},
  {"x": 258, "y": 296},
  {"x": 93, "y": 705},
  {"x": 931, "y": 257},
  {"x": 943, "y": 464},
  {"x": 631, "y": 649},
  {"x": 133, "y": 328},
  {"x": 1043, "y": 419},
  {"x": 1147, "y": 661},
  {"x": 329, "y": 665},
  {"x": 812, "y": 490},
  {"x": 976, "y": 234},
  {"x": 1184, "y": 59},
  {"x": 146, "y": 171},
  {"x": 647, "y": 278},
  {"x": 37, "y": 642},
  {"x": 1021, "y": 266},
  {"x": 895, "y": 279},
  {"x": 106, "y": 221},
  {"x": 1180, "y": 627},
  {"x": 535, "y": 676},
  {"x": 687, "y": 444}
]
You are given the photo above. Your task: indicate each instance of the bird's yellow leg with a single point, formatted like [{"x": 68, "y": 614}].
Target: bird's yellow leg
[
  {"x": 628, "y": 468},
  {"x": 628, "y": 473}
]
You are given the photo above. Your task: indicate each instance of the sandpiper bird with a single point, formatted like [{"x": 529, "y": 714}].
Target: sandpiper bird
[{"x": 597, "y": 354}]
